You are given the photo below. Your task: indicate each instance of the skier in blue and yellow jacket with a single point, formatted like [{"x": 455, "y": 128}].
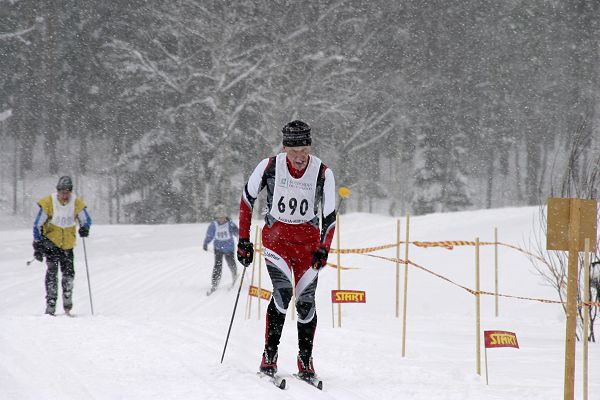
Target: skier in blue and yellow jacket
[{"x": 54, "y": 237}]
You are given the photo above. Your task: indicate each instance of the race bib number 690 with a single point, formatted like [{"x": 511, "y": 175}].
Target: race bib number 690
[{"x": 292, "y": 203}]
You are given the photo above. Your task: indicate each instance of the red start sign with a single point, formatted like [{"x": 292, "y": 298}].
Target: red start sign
[{"x": 500, "y": 339}]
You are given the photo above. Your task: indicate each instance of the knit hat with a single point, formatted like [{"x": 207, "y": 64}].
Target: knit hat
[
  {"x": 220, "y": 211},
  {"x": 64, "y": 183},
  {"x": 296, "y": 133}
]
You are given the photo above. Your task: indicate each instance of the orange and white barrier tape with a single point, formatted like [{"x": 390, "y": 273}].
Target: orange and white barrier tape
[
  {"x": 473, "y": 292},
  {"x": 449, "y": 244},
  {"x": 363, "y": 250}
]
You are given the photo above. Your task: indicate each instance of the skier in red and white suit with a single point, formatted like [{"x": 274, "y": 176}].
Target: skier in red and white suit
[{"x": 298, "y": 185}]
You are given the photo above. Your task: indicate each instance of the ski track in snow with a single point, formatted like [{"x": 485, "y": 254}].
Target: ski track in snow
[{"x": 156, "y": 335}]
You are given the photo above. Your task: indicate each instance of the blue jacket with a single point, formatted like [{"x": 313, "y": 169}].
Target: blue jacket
[{"x": 224, "y": 239}]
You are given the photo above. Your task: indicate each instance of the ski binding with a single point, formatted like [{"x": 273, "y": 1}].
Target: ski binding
[
  {"x": 276, "y": 380},
  {"x": 313, "y": 381}
]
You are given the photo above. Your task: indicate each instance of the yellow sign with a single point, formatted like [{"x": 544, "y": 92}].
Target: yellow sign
[
  {"x": 348, "y": 296},
  {"x": 264, "y": 293},
  {"x": 559, "y": 220}
]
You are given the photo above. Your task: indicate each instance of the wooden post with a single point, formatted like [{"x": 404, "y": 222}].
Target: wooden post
[
  {"x": 574, "y": 225},
  {"x": 332, "y": 316},
  {"x": 397, "y": 269},
  {"x": 405, "y": 285},
  {"x": 478, "y": 308},
  {"x": 339, "y": 270},
  {"x": 487, "y": 381},
  {"x": 570, "y": 223},
  {"x": 496, "y": 267},
  {"x": 586, "y": 315},
  {"x": 259, "y": 272},
  {"x": 249, "y": 300}
]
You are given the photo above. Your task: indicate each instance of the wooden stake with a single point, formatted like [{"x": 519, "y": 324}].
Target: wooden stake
[
  {"x": 496, "y": 267},
  {"x": 339, "y": 270},
  {"x": 397, "y": 269},
  {"x": 586, "y": 315},
  {"x": 249, "y": 300},
  {"x": 571, "y": 325},
  {"x": 332, "y": 316},
  {"x": 478, "y": 308},
  {"x": 487, "y": 382},
  {"x": 405, "y": 285}
]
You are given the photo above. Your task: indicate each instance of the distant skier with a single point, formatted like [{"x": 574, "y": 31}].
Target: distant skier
[
  {"x": 54, "y": 237},
  {"x": 222, "y": 230},
  {"x": 295, "y": 250}
]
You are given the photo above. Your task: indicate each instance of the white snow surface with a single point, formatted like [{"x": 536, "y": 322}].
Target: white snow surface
[{"x": 156, "y": 335}]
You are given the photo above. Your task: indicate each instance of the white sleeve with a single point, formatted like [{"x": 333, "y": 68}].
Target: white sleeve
[
  {"x": 328, "y": 193},
  {"x": 253, "y": 186}
]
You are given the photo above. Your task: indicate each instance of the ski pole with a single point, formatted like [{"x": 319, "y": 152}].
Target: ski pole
[
  {"x": 30, "y": 261},
  {"x": 88, "y": 276},
  {"x": 234, "y": 308}
]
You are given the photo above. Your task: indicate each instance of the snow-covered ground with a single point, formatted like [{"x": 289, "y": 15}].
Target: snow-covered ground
[{"x": 155, "y": 334}]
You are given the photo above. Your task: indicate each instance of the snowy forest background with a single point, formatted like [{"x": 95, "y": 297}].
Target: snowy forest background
[{"x": 161, "y": 109}]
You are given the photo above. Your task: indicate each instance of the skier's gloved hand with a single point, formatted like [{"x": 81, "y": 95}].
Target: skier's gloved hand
[
  {"x": 245, "y": 252},
  {"x": 84, "y": 231},
  {"x": 205, "y": 247},
  {"x": 38, "y": 250},
  {"x": 319, "y": 258}
]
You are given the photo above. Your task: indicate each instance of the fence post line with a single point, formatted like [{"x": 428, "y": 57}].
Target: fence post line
[
  {"x": 478, "y": 308},
  {"x": 249, "y": 300},
  {"x": 572, "y": 291},
  {"x": 405, "y": 285},
  {"x": 339, "y": 270},
  {"x": 586, "y": 315},
  {"x": 332, "y": 316},
  {"x": 397, "y": 268},
  {"x": 487, "y": 382},
  {"x": 496, "y": 268}
]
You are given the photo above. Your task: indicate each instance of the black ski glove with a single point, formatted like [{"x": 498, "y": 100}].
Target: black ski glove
[
  {"x": 205, "y": 247},
  {"x": 84, "y": 232},
  {"x": 245, "y": 252},
  {"x": 38, "y": 250},
  {"x": 319, "y": 258}
]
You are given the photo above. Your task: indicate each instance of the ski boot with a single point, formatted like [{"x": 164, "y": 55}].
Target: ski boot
[
  {"x": 306, "y": 369},
  {"x": 50, "y": 308},
  {"x": 268, "y": 365}
]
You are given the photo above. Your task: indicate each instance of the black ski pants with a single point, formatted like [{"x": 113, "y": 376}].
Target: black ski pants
[
  {"x": 305, "y": 308},
  {"x": 218, "y": 268},
  {"x": 55, "y": 258}
]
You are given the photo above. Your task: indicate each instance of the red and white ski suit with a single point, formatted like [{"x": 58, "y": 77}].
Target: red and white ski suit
[{"x": 291, "y": 236}]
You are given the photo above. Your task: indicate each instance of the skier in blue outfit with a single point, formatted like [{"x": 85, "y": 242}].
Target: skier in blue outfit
[{"x": 222, "y": 230}]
